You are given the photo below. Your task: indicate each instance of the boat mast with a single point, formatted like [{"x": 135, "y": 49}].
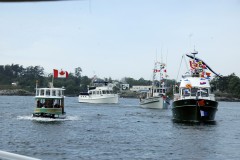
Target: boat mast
[
  {"x": 194, "y": 58},
  {"x": 154, "y": 75},
  {"x": 194, "y": 54}
]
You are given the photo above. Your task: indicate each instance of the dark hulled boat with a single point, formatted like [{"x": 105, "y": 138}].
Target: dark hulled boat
[{"x": 194, "y": 101}]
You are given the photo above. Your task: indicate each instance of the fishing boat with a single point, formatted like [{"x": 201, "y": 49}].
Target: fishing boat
[
  {"x": 49, "y": 103},
  {"x": 100, "y": 91},
  {"x": 194, "y": 101},
  {"x": 155, "y": 97}
]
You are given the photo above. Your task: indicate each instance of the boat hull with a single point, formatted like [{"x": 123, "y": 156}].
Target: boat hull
[
  {"x": 154, "y": 103},
  {"x": 98, "y": 99},
  {"x": 49, "y": 113},
  {"x": 190, "y": 110}
]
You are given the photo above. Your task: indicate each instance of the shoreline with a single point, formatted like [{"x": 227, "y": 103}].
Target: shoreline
[{"x": 22, "y": 92}]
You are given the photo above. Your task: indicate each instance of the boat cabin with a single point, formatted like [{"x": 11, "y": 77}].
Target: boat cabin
[
  {"x": 49, "y": 97},
  {"x": 153, "y": 93},
  {"x": 194, "y": 88},
  {"x": 49, "y": 102}
]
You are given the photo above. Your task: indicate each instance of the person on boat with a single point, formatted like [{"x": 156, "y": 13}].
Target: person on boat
[
  {"x": 186, "y": 92},
  {"x": 56, "y": 105},
  {"x": 39, "y": 104}
]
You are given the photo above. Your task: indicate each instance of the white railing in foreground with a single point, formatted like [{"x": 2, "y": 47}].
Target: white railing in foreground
[{"x": 13, "y": 156}]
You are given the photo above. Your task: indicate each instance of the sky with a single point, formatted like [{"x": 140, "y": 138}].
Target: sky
[{"x": 121, "y": 38}]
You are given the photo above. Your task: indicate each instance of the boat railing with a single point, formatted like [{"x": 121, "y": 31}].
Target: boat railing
[
  {"x": 14, "y": 156},
  {"x": 212, "y": 97},
  {"x": 195, "y": 97}
]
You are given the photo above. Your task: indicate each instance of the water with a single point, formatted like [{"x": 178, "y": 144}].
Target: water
[{"x": 121, "y": 131}]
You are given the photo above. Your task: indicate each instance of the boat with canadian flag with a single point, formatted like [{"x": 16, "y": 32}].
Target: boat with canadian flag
[
  {"x": 49, "y": 101},
  {"x": 194, "y": 101}
]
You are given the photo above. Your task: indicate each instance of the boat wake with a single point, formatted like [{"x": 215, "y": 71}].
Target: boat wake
[{"x": 40, "y": 119}]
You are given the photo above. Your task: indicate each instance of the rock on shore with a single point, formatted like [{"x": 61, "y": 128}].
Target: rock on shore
[{"x": 18, "y": 92}]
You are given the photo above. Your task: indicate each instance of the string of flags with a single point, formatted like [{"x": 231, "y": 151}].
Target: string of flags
[
  {"x": 161, "y": 68},
  {"x": 197, "y": 66}
]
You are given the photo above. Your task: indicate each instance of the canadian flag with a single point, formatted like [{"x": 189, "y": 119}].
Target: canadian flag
[{"x": 60, "y": 74}]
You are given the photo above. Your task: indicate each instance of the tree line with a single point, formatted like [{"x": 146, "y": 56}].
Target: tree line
[
  {"x": 227, "y": 86},
  {"x": 26, "y": 78}
]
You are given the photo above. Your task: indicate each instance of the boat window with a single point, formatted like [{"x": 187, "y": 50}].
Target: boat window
[
  {"x": 37, "y": 92},
  {"x": 103, "y": 92},
  {"x": 90, "y": 92},
  {"x": 163, "y": 91},
  {"x": 98, "y": 92},
  {"x": 47, "y": 92},
  {"x": 194, "y": 91},
  {"x": 53, "y": 93},
  {"x": 60, "y": 93},
  {"x": 42, "y": 92},
  {"x": 56, "y": 103},
  {"x": 204, "y": 92},
  {"x": 186, "y": 92}
]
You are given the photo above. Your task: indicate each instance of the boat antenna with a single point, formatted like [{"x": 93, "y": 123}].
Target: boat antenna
[
  {"x": 180, "y": 67},
  {"x": 161, "y": 55},
  {"x": 194, "y": 54},
  {"x": 52, "y": 78},
  {"x": 156, "y": 54}
]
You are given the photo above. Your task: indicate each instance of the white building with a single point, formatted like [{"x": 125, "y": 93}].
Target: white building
[{"x": 140, "y": 88}]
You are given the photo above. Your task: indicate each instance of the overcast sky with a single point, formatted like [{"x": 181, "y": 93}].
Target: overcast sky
[{"x": 120, "y": 38}]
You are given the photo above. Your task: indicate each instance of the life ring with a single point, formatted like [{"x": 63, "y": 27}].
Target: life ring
[{"x": 188, "y": 86}]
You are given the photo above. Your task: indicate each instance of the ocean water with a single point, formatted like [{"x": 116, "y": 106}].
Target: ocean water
[{"x": 116, "y": 131}]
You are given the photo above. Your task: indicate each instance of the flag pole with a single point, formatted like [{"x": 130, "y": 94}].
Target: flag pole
[{"x": 52, "y": 78}]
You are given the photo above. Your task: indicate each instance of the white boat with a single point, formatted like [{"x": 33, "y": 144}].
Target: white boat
[
  {"x": 99, "y": 92},
  {"x": 49, "y": 103},
  {"x": 14, "y": 156},
  {"x": 155, "y": 98}
]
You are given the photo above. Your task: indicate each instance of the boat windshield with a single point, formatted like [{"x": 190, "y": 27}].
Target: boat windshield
[
  {"x": 200, "y": 92},
  {"x": 203, "y": 92},
  {"x": 159, "y": 91}
]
